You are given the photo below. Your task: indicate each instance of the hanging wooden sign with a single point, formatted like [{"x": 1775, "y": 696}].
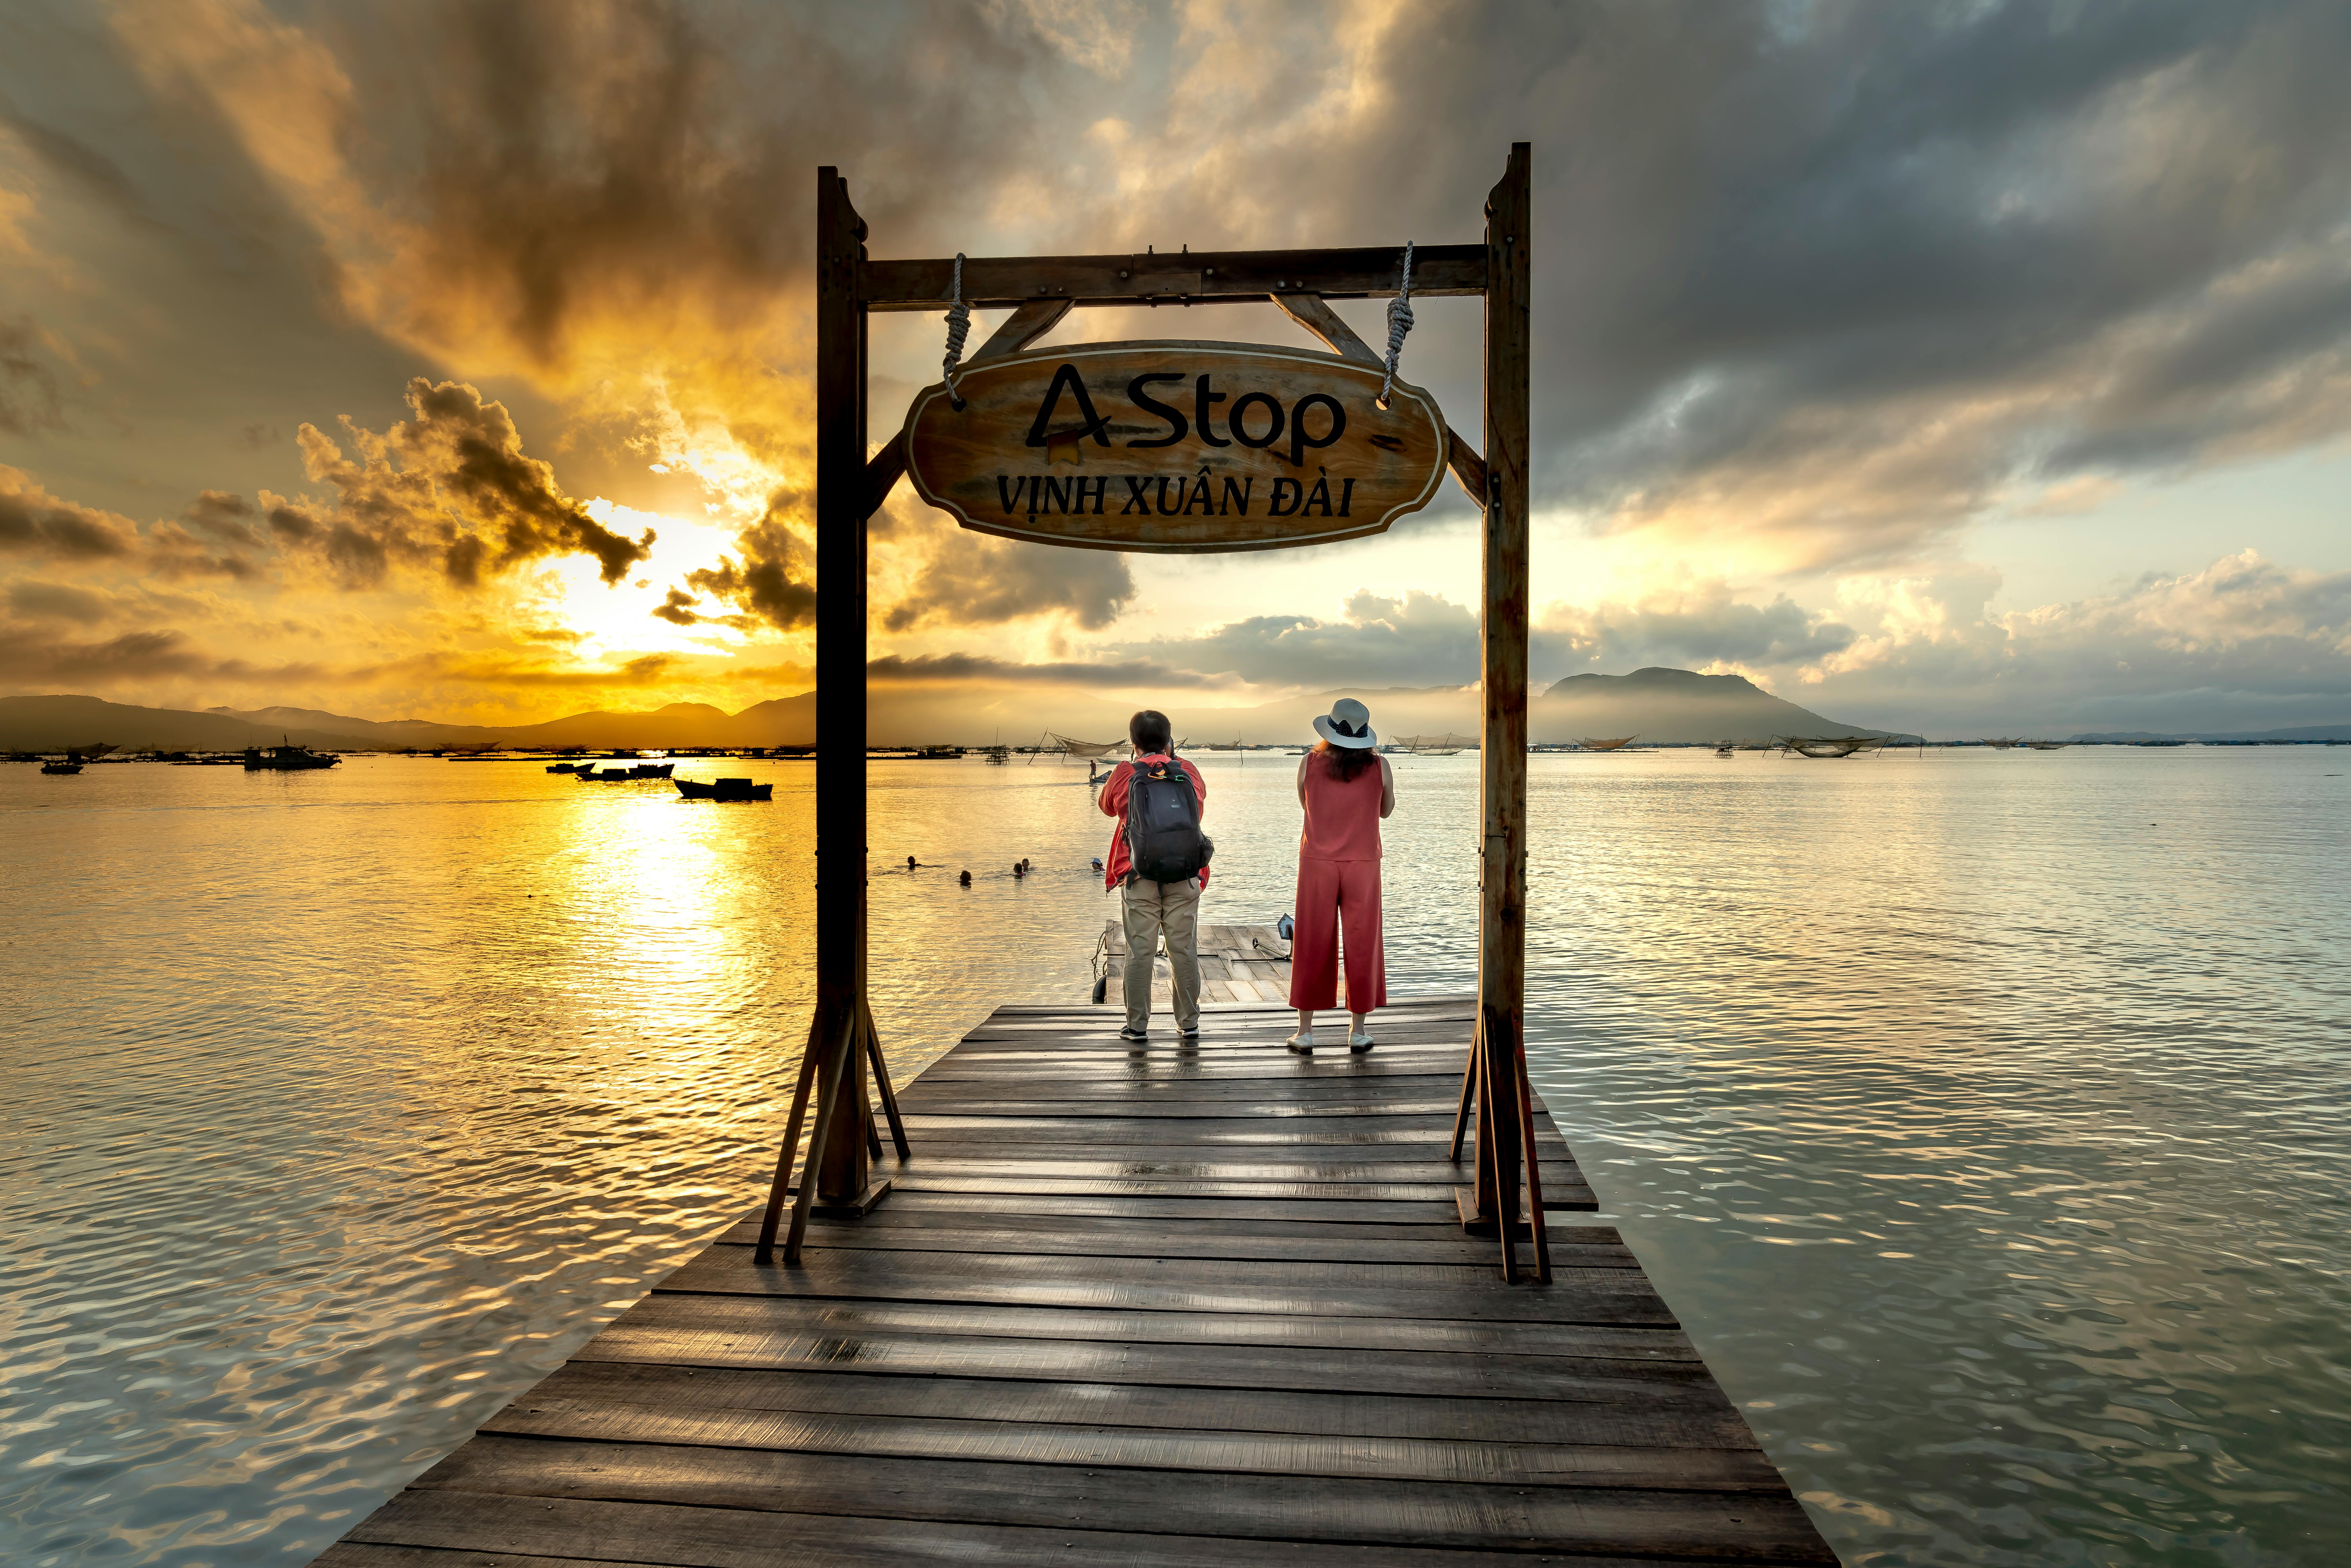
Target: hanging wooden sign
[{"x": 1175, "y": 446}]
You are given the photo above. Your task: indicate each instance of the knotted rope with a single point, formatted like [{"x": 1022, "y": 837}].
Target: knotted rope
[
  {"x": 1399, "y": 323},
  {"x": 958, "y": 327}
]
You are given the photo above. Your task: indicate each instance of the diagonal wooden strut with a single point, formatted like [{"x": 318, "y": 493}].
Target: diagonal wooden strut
[{"x": 1309, "y": 311}]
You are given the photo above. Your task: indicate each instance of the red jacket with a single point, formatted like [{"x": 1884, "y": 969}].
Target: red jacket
[{"x": 1113, "y": 801}]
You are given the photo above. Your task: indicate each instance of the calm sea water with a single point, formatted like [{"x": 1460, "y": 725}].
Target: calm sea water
[{"x": 1986, "y": 1116}]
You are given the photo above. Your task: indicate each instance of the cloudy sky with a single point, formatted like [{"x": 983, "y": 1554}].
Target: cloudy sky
[{"x": 1962, "y": 368}]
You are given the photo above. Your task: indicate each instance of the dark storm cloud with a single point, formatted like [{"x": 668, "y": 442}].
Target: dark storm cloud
[
  {"x": 1837, "y": 273},
  {"x": 576, "y": 164},
  {"x": 1692, "y": 633},
  {"x": 462, "y": 494},
  {"x": 33, "y": 521},
  {"x": 54, "y": 601},
  {"x": 29, "y": 397},
  {"x": 1423, "y": 640},
  {"x": 772, "y": 580},
  {"x": 975, "y": 580},
  {"x": 1417, "y": 640}
]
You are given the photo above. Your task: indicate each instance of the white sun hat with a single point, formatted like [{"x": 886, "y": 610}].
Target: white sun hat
[{"x": 1348, "y": 724}]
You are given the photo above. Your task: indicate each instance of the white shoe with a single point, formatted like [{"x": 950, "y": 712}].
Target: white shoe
[
  {"x": 1359, "y": 1042},
  {"x": 1303, "y": 1043}
]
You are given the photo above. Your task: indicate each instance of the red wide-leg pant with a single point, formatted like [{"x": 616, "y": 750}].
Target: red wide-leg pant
[{"x": 1332, "y": 895}]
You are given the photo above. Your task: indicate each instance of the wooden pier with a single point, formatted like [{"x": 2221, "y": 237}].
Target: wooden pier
[{"x": 1150, "y": 1305}]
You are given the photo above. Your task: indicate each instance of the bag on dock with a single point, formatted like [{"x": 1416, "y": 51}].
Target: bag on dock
[{"x": 1163, "y": 823}]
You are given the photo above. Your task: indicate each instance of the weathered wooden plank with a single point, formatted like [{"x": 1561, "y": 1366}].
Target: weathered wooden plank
[
  {"x": 682, "y": 1537},
  {"x": 1418, "y": 1103},
  {"x": 1039, "y": 1442},
  {"x": 1719, "y": 1527},
  {"x": 975, "y": 1148},
  {"x": 881, "y": 1312},
  {"x": 1517, "y": 1322},
  {"x": 1584, "y": 1362},
  {"x": 913, "y": 1179},
  {"x": 1219, "y": 1222},
  {"x": 1366, "y": 1408},
  {"x": 1181, "y": 1241},
  {"x": 992, "y": 282}
]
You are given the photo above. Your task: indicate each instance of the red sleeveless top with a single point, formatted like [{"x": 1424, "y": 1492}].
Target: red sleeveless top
[{"x": 1342, "y": 820}]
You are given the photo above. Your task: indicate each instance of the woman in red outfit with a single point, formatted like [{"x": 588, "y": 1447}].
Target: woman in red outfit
[{"x": 1345, "y": 787}]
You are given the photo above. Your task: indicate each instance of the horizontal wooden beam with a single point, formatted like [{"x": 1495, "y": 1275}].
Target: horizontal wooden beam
[{"x": 1228, "y": 277}]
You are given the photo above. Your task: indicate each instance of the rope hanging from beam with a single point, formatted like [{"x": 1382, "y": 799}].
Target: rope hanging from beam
[
  {"x": 958, "y": 327},
  {"x": 1399, "y": 323}
]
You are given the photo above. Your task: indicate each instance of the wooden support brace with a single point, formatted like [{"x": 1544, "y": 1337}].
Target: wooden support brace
[
  {"x": 882, "y": 1084},
  {"x": 1311, "y": 312},
  {"x": 1022, "y": 327},
  {"x": 883, "y": 472},
  {"x": 1468, "y": 469},
  {"x": 785, "y": 1156}
]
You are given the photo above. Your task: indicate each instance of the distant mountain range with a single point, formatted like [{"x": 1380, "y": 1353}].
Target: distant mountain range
[
  {"x": 1657, "y": 705},
  {"x": 54, "y": 723},
  {"x": 2130, "y": 737}
]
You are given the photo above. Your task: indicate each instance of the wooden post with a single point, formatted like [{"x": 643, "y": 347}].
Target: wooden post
[
  {"x": 1502, "y": 672},
  {"x": 844, "y": 1180}
]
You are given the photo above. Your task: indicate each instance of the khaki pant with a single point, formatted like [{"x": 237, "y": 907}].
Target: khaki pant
[{"x": 1153, "y": 907}]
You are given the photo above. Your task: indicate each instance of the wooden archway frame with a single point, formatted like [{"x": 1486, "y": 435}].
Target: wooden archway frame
[{"x": 849, "y": 487}]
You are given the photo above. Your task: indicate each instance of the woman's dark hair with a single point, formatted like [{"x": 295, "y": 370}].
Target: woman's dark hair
[
  {"x": 1346, "y": 761},
  {"x": 1150, "y": 732}
]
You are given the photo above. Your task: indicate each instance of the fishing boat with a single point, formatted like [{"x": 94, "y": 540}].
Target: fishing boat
[
  {"x": 724, "y": 789},
  {"x": 2046, "y": 745},
  {"x": 1448, "y": 745},
  {"x": 70, "y": 766},
  {"x": 637, "y": 774},
  {"x": 1589, "y": 744},
  {"x": 2007, "y": 744},
  {"x": 285, "y": 759},
  {"x": 1725, "y": 748}
]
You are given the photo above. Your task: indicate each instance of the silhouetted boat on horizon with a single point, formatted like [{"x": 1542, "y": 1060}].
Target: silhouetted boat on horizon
[
  {"x": 285, "y": 759},
  {"x": 724, "y": 789}
]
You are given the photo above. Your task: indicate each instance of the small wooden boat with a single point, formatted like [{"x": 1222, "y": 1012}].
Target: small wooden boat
[
  {"x": 724, "y": 789},
  {"x": 285, "y": 759},
  {"x": 60, "y": 767}
]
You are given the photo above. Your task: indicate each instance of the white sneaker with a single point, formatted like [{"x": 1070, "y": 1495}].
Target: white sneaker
[
  {"x": 1303, "y": 1043},
  {"x": 1359, "y": 1042}
]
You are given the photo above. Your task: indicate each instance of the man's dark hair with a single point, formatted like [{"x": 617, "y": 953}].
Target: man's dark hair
[{"x": 1150, "y": 731}]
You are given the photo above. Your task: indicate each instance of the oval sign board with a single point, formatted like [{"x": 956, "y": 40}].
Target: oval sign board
[{"x": 1176, "y": 446}]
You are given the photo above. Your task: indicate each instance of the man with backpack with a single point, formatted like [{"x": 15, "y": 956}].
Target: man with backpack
[{"x": 1159, "y": 858}]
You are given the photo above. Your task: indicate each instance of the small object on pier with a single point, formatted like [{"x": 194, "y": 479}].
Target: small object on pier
[
  {"x": 1287, "y": 928},
  {"x": 966, "y": 879}
]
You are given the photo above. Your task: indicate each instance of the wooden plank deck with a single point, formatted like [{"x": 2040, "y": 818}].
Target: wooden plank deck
[
  {"x": 1132, "y": 1306},
  {"x": 1248, "y": 964}
]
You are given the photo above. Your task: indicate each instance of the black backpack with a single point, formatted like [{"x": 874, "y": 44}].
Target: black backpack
[{"x": 1163, "y": 823}]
